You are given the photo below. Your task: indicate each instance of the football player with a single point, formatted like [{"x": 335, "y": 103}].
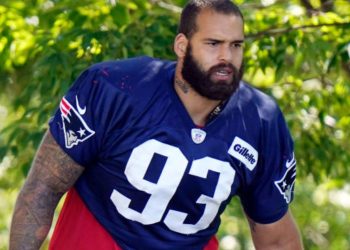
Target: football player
[{"x": 152, "y": 151}]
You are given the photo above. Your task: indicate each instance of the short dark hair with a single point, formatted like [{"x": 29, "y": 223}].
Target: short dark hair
[{"x": 194, "y": 7}]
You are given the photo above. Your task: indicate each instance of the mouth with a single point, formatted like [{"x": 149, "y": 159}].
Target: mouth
[{"x": 222, "y": 73}]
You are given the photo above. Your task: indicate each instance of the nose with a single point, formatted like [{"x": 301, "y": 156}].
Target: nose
[{"x": 225, "y": 54}]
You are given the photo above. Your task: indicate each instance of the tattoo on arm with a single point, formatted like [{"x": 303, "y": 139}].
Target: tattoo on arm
[
  {"x": 53, "y": 172},
  {"x": 183, "y": 85}
]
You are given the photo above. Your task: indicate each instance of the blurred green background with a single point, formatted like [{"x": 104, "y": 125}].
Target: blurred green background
[{"x": 296, "y": 51}]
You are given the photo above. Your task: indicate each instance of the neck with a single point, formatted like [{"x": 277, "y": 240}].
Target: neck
[{"x": 198, "y": 107}]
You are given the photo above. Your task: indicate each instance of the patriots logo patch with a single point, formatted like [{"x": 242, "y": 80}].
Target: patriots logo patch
[
  {"x": 286, "y": 184},
  {"x": 74, "y": 127}
]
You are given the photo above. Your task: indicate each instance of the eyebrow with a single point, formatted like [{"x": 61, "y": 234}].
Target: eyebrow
[{"x": 221, "y": 41}]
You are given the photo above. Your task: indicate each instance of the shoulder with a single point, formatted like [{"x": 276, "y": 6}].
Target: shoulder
[
  {"x": 131, "y": 67},
  {"x": 252, "y": 99},
  {"x": 126, "y": 75}
]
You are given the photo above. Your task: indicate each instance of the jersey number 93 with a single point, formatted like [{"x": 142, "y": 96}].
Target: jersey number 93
[{"x": 162, "y": 192}]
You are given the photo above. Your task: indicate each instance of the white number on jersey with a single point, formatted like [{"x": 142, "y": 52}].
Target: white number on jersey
[{"x": 169, "y": 180}]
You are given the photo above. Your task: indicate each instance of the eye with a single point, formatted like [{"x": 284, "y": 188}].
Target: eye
[
  {"x": 212, "y": 44},
  {"x": 237, "y": 45}
]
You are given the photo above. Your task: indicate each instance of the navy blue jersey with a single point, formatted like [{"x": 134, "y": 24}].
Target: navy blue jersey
[{"x": 154, "y": 179}]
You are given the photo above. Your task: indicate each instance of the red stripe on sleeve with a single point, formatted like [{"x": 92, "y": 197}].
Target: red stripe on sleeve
[{"x": 65, "y": 103}]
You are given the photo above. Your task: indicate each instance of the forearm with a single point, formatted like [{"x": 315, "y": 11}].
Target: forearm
[{"x": 32, "y": 217}]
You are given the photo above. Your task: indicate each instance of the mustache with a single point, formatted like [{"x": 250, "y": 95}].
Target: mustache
[{"x": 223, "y": 66}]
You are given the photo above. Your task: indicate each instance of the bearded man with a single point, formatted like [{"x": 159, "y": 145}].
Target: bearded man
[{"x": 152, "y": 151}]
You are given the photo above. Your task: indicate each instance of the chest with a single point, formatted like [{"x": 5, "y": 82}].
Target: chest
[{"x": 161, "y": 169}]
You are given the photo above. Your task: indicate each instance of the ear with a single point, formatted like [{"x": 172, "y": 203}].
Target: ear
[{"x": 180, "y": 45}]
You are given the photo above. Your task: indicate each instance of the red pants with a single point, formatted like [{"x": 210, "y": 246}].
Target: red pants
[{"x": 77, "y": 229}]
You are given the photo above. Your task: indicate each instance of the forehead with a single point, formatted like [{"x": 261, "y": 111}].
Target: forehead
[{"x": 214, "y": 25}]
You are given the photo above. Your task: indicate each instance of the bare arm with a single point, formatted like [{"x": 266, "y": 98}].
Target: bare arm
[
  {"x": 52, "y": 173},
  {"x": 280, "y": 235}
]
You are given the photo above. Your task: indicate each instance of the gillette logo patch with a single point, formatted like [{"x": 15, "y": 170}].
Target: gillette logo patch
[{"x": 244, "y": 152}]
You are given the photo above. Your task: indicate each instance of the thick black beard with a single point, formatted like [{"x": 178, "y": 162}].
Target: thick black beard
[{"x": 200, "y": 80}]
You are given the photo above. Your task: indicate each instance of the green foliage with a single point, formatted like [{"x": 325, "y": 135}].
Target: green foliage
[
  {"x": 303, "y": 61},
  {"x": 297, "y": 53},
  {"x": 322, "y": 213}
]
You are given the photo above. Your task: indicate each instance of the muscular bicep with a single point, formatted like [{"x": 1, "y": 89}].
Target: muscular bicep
[
  {"x": 52, "y": 173},
  {"x": 53, "y": 168},
  {"x": 282, "y": 234}
]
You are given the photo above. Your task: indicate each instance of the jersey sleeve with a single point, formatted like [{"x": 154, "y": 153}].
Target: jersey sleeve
[
  {"x": 266, "y": 198},
  {"x": 82, "y": 117}
]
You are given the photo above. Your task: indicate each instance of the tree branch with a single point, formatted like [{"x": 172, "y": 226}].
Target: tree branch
[
  {"x": 308, "y": 6},
  {"x": 279, "y": 31},
  {"x": 327, "y": 5},
  {"x": 167, "y": 6},
  {"x": 257, "y": 5}
]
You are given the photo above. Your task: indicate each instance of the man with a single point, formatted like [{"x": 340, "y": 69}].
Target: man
[{"x": 152, "y": 151}]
